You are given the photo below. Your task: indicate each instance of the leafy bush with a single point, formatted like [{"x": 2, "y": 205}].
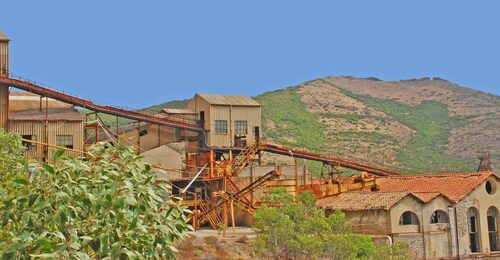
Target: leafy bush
[
  {"x": 398, "y": 251},
  {"x": 11, "y": 154},
  {"x": 302, "y": 230},
  {"x": 108, "y": 206}
]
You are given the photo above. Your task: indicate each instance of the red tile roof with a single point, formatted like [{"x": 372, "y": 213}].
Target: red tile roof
[{"x": 454, "y": 186}]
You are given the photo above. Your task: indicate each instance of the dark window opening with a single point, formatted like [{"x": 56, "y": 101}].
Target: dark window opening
[
  {"x": 493, "y": 229},
  {"x": 143, "y": 132},
  {"x": 202, "y": 119},
  {"x": 473, "y": 230},
  {"x": 489, "y": 187},
  {"x": 439, "y": 216},
  {"x": 408, "y": 218},
  {"x": 29, "y": 145}
]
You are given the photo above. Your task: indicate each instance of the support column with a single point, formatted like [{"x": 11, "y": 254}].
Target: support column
[
  {"x": 4, "y": 72},
  {"x": 4, "y": 106}
]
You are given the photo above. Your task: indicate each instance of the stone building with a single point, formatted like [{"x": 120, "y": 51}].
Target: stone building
[{"x": 438, "y": 215}]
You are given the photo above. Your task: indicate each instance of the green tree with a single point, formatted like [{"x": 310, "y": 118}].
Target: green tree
[
  {"x": 302, "y": 230},
  {"x": 107, "y": 206},
  {"x": 11, "y": 155}
]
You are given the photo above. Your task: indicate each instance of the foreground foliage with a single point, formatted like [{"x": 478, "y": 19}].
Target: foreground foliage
[
  {"x": 11, "y": 154},
  {"x": 301, "y": 230},
  {"x": 109, "y": 206}
]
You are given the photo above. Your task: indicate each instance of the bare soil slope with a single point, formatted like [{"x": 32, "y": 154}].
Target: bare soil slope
[{"x": 419, "y": 125}]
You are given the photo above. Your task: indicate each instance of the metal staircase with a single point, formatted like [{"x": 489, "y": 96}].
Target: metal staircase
[
  {"x": 212, "y": 215},
  {"x": 244, "y": 158}
]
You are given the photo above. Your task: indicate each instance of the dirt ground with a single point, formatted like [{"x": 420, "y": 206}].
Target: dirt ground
[{"x": 208, "y": 243}]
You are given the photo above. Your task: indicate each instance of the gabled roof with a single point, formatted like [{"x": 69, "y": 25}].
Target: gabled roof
[
  {"x": 360, "y": 200},
  {"x": 3, "y": 37},
  {"x": 53, "y": 114},
  {"x": 178, "y": 111},
  {"x": 454, "y": 186},
  {"x": 229, "y": 100},
  {"x": 28, "y": 106}
]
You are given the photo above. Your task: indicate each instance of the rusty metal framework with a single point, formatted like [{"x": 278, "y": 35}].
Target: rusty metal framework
[{"x": 484, "y": 161}]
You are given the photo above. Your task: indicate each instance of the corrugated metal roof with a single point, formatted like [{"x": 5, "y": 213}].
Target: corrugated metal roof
[
  {"x": 3, "y": 37},
  {"x": 53, "y": 114},
  {"x": 22, "y": 101},
  {"x": 358, "y": 201},
  {"x": 27, "y": 106},
  {"x": 178, "y": 111},
  {"x": 229, "y": 100}
]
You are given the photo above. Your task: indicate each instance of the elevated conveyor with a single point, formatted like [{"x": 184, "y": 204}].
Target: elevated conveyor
[
  {"x": 45, "y": 92},
  {"x": 298, "y": 154},
  {"x": 326, "y": 160}
]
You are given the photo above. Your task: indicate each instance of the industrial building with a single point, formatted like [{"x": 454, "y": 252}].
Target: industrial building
[
  {"x": 45, "y": 120},
  {"x": 227, "y": 120}
]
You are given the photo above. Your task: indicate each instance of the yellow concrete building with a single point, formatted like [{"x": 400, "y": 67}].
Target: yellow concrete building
[{"x": 438, "y": 215}]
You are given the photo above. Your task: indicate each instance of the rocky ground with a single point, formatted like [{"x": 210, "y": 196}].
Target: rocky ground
[{"x": 211, "y": 244}]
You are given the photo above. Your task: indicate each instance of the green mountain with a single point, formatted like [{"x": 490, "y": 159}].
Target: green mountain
[{"x": 408, "y": 126}]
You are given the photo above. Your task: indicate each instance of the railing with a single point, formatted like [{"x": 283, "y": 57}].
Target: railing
[{"x": 35, "y": 87}]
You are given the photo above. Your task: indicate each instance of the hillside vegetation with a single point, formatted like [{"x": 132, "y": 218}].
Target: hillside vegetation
[{"x": 411, "y": 126}]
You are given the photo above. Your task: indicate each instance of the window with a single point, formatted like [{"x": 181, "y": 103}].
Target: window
[
  {"x": 472, "y": 217},
  {"x": 29, "y": 145},
  {"x": 221, "y": 127},
  {"x": 408, "y": 218},
  {"x": 64, "y": 141},
  {"x": 240, "y": 127},
  {"x": 439, "y": 216},
  {"x": 493, "y": 228},
  {"x": 143, "y": 132},
  {"x": 490, "y": 188}
]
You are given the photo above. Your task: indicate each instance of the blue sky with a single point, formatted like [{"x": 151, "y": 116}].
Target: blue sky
[{"x": 141, "y": 53}]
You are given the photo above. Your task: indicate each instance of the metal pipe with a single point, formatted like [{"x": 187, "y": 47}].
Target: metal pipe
[
  {"x": 423, "y": 232},
  {"x": 453, "y": 231},
  {"x": 390, "y": 246},
  {"x": 195, "y": 177}
]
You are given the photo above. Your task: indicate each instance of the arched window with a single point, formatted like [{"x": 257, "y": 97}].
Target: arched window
[
  {"x": 408, "y": 218},
  {"x": 473, "y": 219},
  {"x": 493, "y": 228},
  {"x": 439, "y": 216}
]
